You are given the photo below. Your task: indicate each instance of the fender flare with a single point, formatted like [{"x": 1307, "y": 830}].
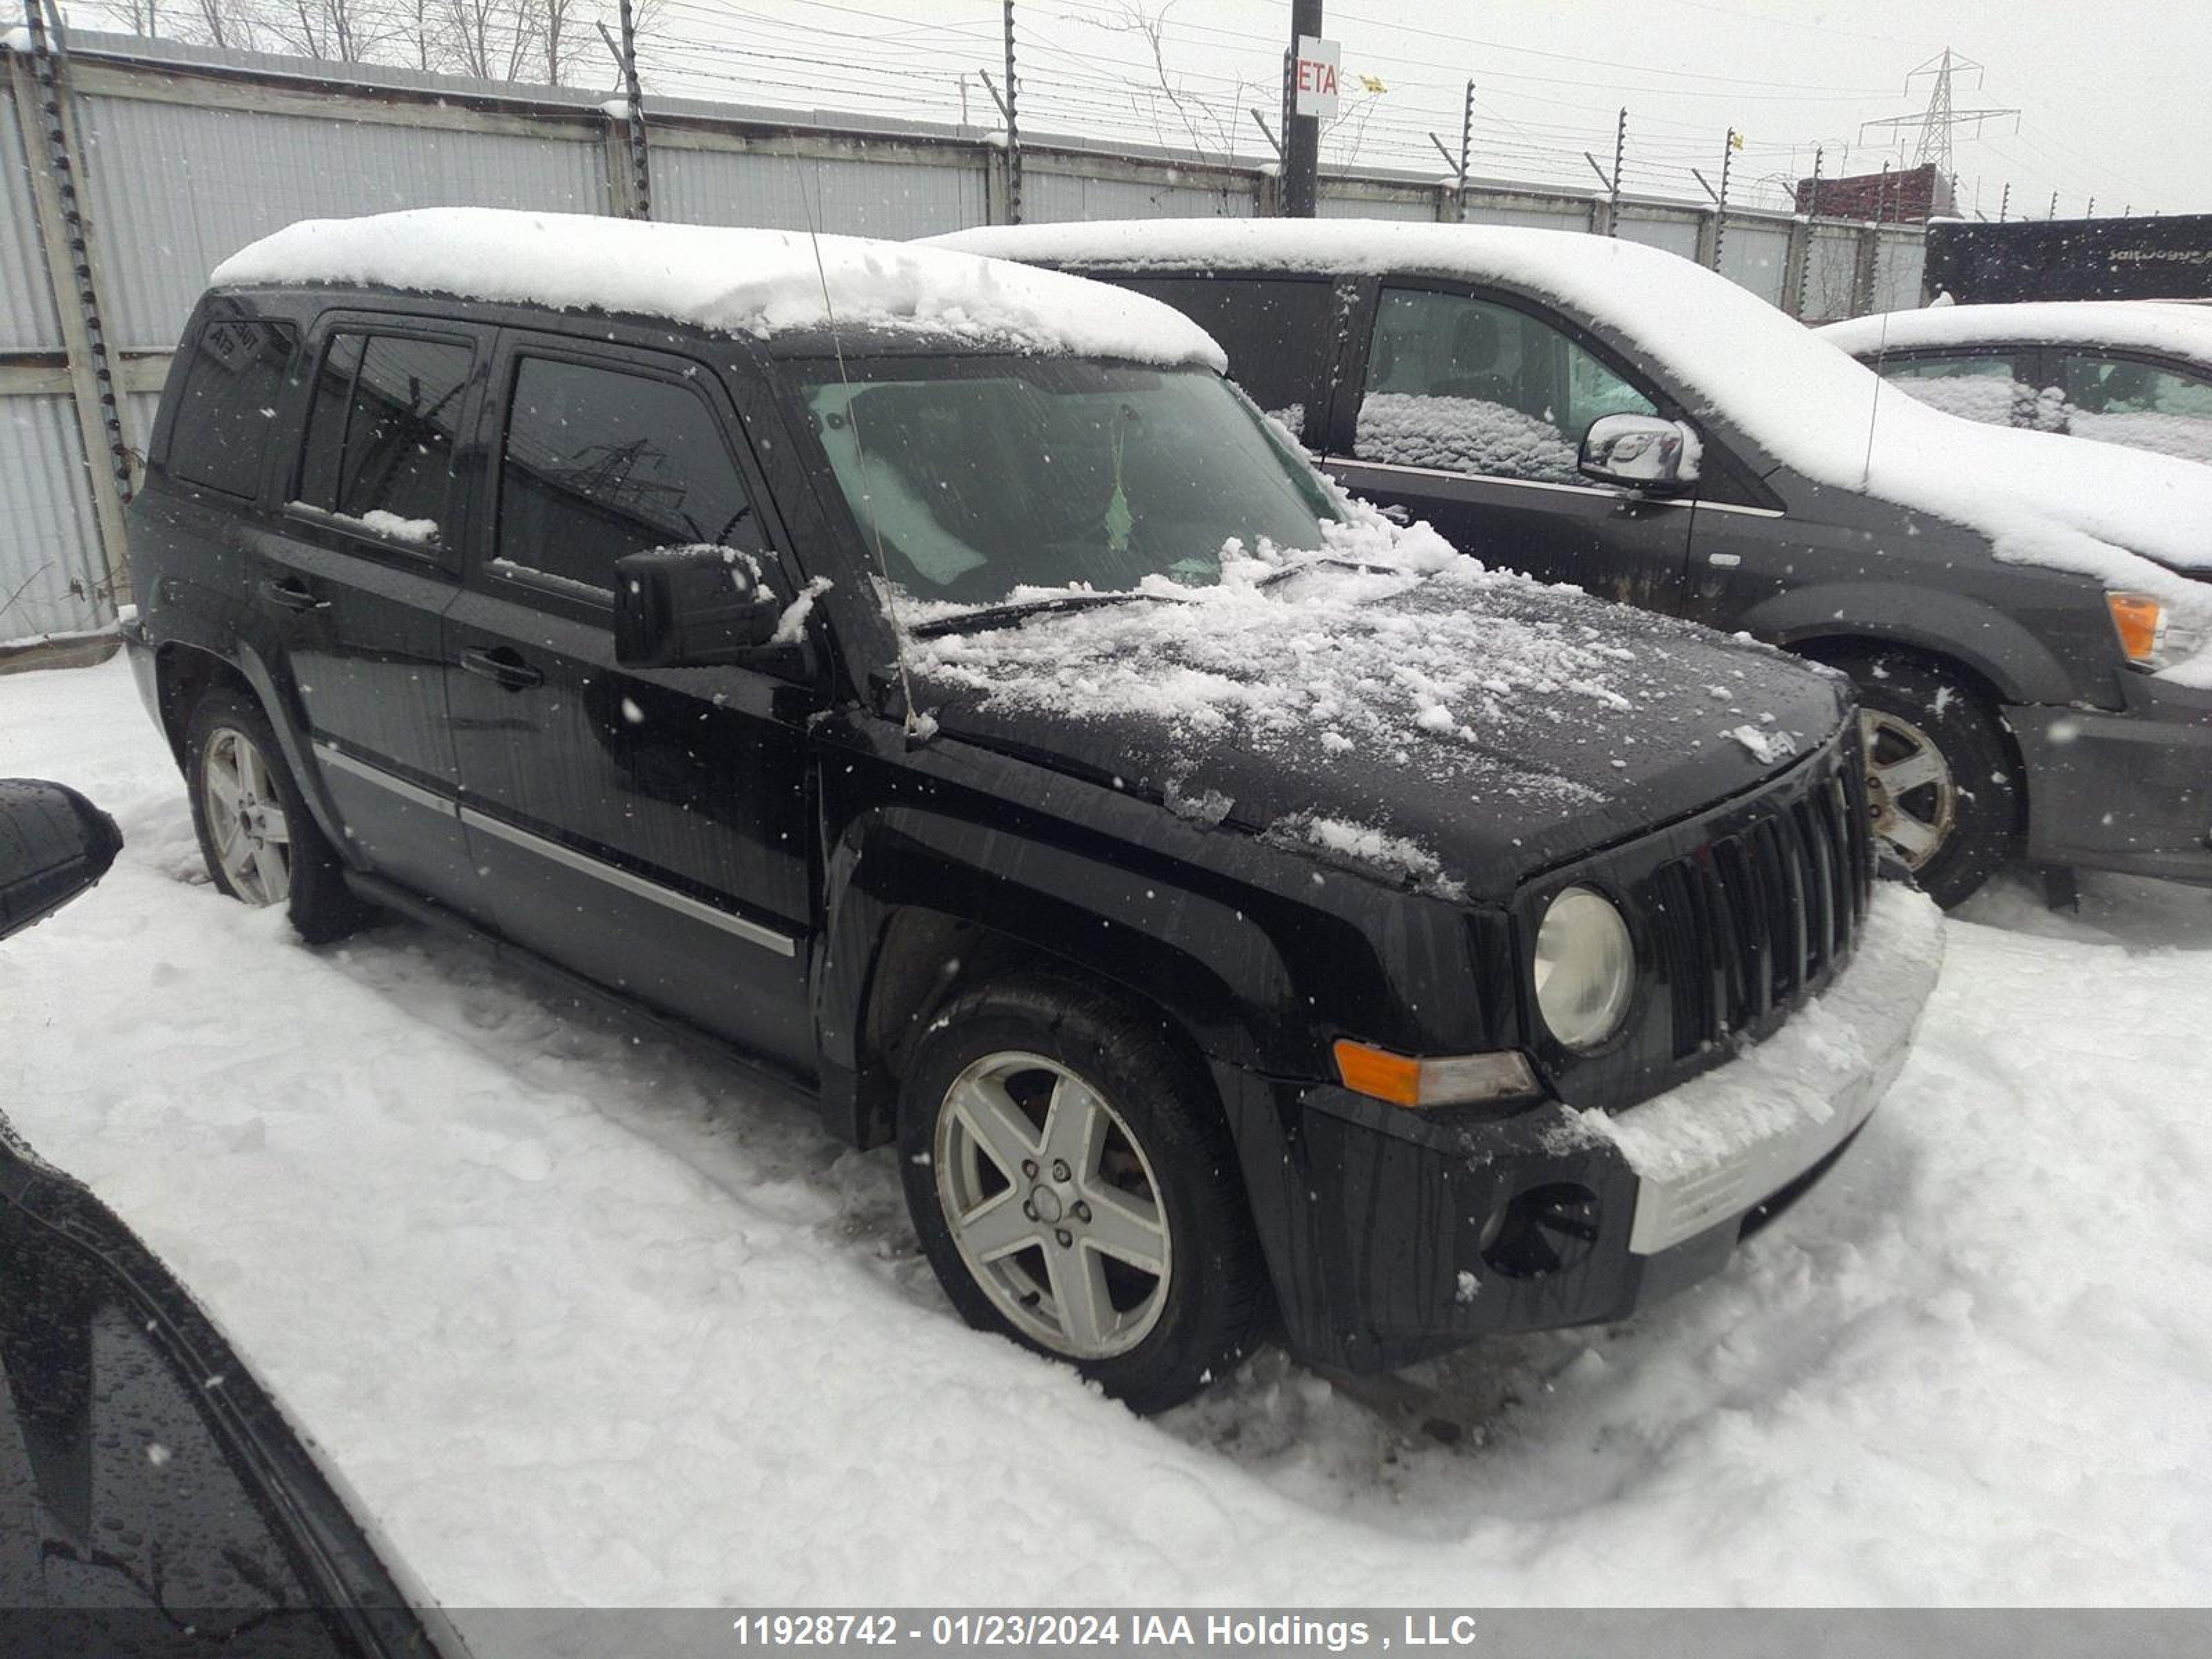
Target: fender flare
[
  {"x": 1207, "y": 967},
  {"x": 1976, "y": 636}
]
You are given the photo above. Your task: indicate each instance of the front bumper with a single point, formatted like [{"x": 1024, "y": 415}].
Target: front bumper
[
  {"x": 1394, "y": 1236},
  {"x": 2128, "y": 791}
]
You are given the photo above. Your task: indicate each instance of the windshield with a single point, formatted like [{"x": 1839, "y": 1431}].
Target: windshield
[{"x": 981, "y": 476}]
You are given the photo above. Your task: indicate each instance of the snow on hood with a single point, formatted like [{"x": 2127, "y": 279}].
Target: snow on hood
[
  {"x": 1387, "y": 702},
  {"x": 2127, "y": 519},
  {"x": 761, "y": 282},
  {"x": 2180, "y": 330}
]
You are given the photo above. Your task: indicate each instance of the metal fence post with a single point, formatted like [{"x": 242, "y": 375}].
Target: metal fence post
[{"x": 39, "y": 80}]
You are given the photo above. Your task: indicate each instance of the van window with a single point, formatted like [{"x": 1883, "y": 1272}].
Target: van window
[
  {"x": 599, "y": 463},
  {"x": 1278, "y": 334},
  {"x": 381, "y": 430},
  {"x": 228, "y": 402},
  {"x": 2120, "y": 400},
  {"x": 1463, "y": 385}
]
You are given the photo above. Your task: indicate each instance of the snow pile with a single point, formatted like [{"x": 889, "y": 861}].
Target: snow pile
[
  {"x": 585, "y": 1320},
  {"x": 2126, "y": 519},
  {"x": 2171, "y": 330},
  {"x": 1362, "y": 844},
  {"x": 1461, "y": 434},
  {"x": 1976, "y": 397},
  {"x": 761, "y": 282}
]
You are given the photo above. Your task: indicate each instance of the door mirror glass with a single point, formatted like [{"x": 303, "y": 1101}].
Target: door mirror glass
[
  {"x": 1640, "y": 451},
  {"x": 691, "y": 607},
  {"x": 54, "y": 845}
]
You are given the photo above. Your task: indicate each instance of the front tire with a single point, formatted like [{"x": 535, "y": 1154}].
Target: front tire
[
  {"x": 261, "y": 844},
  {"x": 1942, "y": 784},
  {"x": 1076, "y": 1189}
]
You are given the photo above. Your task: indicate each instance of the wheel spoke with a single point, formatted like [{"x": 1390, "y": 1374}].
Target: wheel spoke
[
  {"x": 997, "y": 1227},
  {"x": 275, "y": 829},
  {"x": 1075, "y": 1126},
  {"x": 1915, "y": 771},
  {"x": 224, "y": 784},
  {"x": 270, "y": 873},
  {"x": 1909, "y": 837},
  {"x": 1078, "y": 1295},
  {"x": 1126, "y": 1228},
  {"x": 1000, "y": 1131},
  {"x": 253, "y": 774}
]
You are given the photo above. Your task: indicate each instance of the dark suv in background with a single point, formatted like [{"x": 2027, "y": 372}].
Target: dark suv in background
[
  {"x": 930, "y": 681},
  {"x": 2029, "y": 622}
]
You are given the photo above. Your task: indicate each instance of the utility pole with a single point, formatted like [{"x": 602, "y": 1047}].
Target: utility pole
[
  {"x": 1465, "y": 143},
  {"x": 1013, "y": 127},
  {"x": 1301, "y": 133},
  {"x": 2004, "y": 202},
  {"x": 1619, "y": 155},
  {"x": 1812, "y": 214},
  {"x": 1719, "y": 202},
  {"x": 2090, "y": 212},
  {"x": 640, "y": 175},
  {"x": 2054, "y": 204}
]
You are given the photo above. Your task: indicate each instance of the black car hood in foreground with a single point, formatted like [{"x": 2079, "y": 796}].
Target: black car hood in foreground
[
  {"x": 1458, "y": 729},
  {"x": 152, "y": 1499}
]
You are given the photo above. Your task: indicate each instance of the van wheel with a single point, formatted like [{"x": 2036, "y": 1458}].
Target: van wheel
[
  {"x": 261, "y": 845},
  {"x": 1076, "y": 1189},
  {"x": 1942, "y": 786}
]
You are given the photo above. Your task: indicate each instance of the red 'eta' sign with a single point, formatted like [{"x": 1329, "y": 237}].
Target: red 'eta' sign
[{"x": 1314, "y": 77}]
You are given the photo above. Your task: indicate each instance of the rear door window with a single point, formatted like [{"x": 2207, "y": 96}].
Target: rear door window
[
  {"x": 381, "y": 427},
  {"x": 1279, "y": 335},
  {"x": 227, "y": 404},
  {"x": 1463, "y": 385},
  {"x": 1984, "y": 385},
  {"x": 2123, "y": 400},
  {"x": 599, "y": 462}
]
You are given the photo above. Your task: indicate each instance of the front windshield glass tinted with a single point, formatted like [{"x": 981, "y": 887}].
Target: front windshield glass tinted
[{"x": 983, "y": 476}]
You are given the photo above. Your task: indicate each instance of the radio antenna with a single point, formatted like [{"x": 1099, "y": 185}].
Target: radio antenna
[
  {"x": 912, "y": 724},
  {"x": 1874, "y": 408}
]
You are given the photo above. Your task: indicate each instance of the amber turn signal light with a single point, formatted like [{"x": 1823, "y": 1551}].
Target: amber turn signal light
[
  {"x": 2138, "y": 617},
  {"x": 1453, "y": 1081}
]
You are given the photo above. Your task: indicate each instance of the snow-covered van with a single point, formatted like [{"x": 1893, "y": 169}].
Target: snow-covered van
[
  {"x": 2028, "y": 619},
  {"x": 928, "y": 679},
  {"x": 2133, "y": 372}
]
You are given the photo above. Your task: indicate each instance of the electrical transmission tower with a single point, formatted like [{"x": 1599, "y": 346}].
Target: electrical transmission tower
[{"x": 1942, "y": 116}]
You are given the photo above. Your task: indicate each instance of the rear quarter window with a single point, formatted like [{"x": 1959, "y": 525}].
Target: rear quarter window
[
  {"x": 1278, "y": 332},
  {"x": 227, "y": 404}
]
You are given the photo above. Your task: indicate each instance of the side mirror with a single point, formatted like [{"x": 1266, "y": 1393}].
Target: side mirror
[
  {"x": 691, "y": 607},
  {"x": 1640, "y": 451},
  {"x": 54, "y": 845}
]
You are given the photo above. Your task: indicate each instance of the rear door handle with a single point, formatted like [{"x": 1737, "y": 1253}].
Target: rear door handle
[
  {"x": 292, "y": 596},
  {"x": 502, "y": 667}
]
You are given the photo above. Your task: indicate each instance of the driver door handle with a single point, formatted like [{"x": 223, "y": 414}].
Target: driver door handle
[
  {"x": 502, "y": 666},
  {"x": 292, "y": 595}
]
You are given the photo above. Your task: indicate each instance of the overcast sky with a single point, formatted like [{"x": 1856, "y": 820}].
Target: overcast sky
[{"x": 2112, "y": 94}]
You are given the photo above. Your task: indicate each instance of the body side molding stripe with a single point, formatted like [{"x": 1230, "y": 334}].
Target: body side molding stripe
[{"x": 752, "y": 933}]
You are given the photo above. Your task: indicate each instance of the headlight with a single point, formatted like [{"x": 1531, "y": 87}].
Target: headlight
[
  {"x": 2151, "y": 635},
  {"x": 1585, "y": 967}
]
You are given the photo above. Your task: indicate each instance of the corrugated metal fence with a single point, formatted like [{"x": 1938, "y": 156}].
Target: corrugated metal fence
[{"x": 184, "y": 154}]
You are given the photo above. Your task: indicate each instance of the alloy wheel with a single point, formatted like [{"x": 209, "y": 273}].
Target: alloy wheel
[
  {"x": 245, "y": 818},
  {"x": 1910, "y": 793},
  {"x": 1053, "y": 1205}
]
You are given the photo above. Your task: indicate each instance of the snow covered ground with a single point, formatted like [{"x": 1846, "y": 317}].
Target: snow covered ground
[{"x": 583, "y": 1320}]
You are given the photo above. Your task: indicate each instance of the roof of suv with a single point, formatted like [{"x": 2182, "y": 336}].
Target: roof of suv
[
  {"x": 2176, "y": 328},
  {"x": 768, "y": 284}
]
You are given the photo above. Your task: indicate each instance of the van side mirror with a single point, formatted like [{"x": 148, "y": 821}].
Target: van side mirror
[
  {"x": 54, "y": 845},
  {"x": 691, "y": 607},
  {"x": 1640, "y": 451}
]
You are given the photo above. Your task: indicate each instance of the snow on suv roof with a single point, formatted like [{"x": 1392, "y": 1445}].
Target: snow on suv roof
[
  {"x": 2172, "y": 327},
  {"x": 758, "y": 283},
  {"x": 2126, "y": 518}
]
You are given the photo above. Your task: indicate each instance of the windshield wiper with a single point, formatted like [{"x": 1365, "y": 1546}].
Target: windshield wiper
[{"x": 1003, "y": 616}]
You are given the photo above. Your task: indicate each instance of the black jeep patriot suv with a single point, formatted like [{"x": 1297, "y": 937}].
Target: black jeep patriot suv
[{"x": 929, "y": 679}]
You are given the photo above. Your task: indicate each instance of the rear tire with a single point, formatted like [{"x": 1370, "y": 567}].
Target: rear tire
[
  {"x": 1942, "y": 782},
  {"x": 1076, "y": 1189},
  {"x": 261, "y": 844}
]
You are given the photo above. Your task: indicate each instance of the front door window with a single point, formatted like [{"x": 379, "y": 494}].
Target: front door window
[{"x": 1463, "y": 384}]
